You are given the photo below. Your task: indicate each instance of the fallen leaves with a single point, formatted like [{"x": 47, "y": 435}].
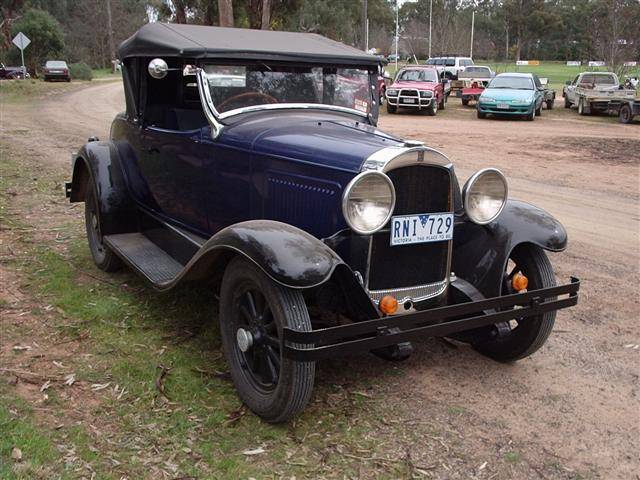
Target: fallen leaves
[{"x": 255, "y": 451}]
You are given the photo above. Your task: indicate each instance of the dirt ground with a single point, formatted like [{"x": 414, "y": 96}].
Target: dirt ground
[{"x": 576, "y": 400}]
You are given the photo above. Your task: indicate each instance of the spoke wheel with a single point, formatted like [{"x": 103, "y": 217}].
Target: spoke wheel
[
  {"x": 253, "y": 312},
  {"x": 528, "y": 334},
  {"x": 104, "y": 258}
]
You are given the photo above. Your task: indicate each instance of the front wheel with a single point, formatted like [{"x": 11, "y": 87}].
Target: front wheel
[
  {"x": 481, "y": 114},
  {"x": 527, "y": 334},
  {"x": 539, "y": 110},
  {"x": 433, "y": 108},
  {"x": 465, "y": 101},
  {"x": 443, "y": 102},
  {"x": 567, "y": 102},
  {"x": 391, "y": 108},
  {"x": 253, "y": 312},
  {"x": 549, "y": 104}
]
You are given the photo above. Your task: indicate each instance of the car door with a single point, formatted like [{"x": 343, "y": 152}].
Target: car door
[
  {"x": 571, "y": 89},
  {"x": 539, "y": 92}
]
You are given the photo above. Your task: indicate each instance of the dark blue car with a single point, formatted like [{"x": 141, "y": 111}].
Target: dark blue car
[{"x": 251, "y": 160}]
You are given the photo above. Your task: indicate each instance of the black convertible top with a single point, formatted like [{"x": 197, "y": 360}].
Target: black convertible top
[{"x": 196, "y": 41}]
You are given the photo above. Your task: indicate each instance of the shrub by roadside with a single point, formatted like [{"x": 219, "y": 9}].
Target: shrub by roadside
[{"x": 80, "y": 71}]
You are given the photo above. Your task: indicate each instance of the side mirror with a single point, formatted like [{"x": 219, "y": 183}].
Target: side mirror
[{"x": 158, "y": 68}]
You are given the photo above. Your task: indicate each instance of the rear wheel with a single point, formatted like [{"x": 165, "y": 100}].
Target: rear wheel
[
  {"x": 625, "y": 114},
  {"x": 528, "y": 334},
  {"x": 582, "y": 107},
  {"x": 103, "y": 257},
  {"x": 567, "y": 102},
  {"x": 549, "y": 104},
  {"x": 531, "y": 116},
  {"x": 465, "y": 101},
  {"x": 253, "y": 312}
]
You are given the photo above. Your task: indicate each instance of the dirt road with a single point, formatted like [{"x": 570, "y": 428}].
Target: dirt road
[{"x": 576, "y": 401}]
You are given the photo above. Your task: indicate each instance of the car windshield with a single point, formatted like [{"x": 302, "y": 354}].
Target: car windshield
[
  {"x": 238, "y": 86},
  {"x": 517, "y": 83},
  {"x": 599, "y": 79},
  {"x": 56, "y": 64},
  {"x": 418, "y": 75}
]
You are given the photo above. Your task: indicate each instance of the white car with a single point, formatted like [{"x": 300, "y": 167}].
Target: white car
[
  {"x": 450, "y": 66},
  {"x": 602, "y": 81}
]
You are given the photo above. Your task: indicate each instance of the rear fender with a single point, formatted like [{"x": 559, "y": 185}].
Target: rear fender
[
  {"x": 99, "y": 161},
  {"x": 481, "y": 252}
]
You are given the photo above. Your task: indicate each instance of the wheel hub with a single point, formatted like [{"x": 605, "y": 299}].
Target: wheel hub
[{"x": 244, "y": 338}]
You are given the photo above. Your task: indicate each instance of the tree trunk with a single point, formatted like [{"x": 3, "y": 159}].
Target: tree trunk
[
  {"x": 181, "y": 14},
  {"x": 365, "y": 14},
  {"x": 112, "y": 48},
  {"x": 225, "y": 9},
  {"x": 266, "y": 14}
]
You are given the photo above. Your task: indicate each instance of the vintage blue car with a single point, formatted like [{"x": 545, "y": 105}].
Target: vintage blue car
[
  {"x": 251, "y": 160},
  {"x": 519, "y": 94}
]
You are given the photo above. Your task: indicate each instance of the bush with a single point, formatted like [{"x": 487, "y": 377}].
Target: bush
[{"x": 80, "y": 71}]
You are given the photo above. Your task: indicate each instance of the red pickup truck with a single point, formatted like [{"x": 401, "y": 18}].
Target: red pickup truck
[{"x": 417, "y": 87}]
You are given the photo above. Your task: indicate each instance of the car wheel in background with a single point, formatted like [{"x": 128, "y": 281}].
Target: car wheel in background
[
  {"x": 624, "y": 115},
  {"x": 567, "y": 103},
  {"x": 432, "y": 110},
  {"x": 528, "y": 334},
  {"x": 253, "y": 312},
  {"x": 443, "y": 102},
  {"x": 102, "y": 256},
  {"x": 465, "y": 101},
  {"x": 391, "y": 108},
  {"x": 582, "y": 108}
]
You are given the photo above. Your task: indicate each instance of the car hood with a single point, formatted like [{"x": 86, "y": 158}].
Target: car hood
[
  {"x": 326, "y": 139},
  {"x": 418, "y": 85},
  {"x": 507, "y": 94}
]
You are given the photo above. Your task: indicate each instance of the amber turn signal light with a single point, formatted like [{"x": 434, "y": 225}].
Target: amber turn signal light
[
  {"x": 388, "y": 305},
  {"x": 519, "y": 282}
]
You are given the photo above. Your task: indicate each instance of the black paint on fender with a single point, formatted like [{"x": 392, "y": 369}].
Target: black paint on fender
[{"x": 480, "y": 252}]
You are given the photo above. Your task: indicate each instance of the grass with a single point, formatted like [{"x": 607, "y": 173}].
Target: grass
[
  {"x": 30, "y": 89},
  {"x": 105, "y": 73}
]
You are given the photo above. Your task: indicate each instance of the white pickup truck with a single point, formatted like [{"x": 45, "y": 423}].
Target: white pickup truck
[{"x": 599, "y": 81}]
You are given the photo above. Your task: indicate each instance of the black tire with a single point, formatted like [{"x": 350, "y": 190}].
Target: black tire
[
  {"x": 102, "y": 256},
  {"x": 443, "y": 102},
  {"x": 530, "y": 334},
  {"x": 625, "y": 116},
  {"x": 465, "y": 101},
  {"x": 539, "y": 110},
  {"x": 550, "y": 104},
  {"x": 567, "y": 103},
  {"x": 432, "y": 110},
  {"x": 391, "y": 108},
  {"x": 273, "y": 387},
  {"x": 481, "y": 114},
  {"x": 582, "y": 108},
  {"x": 531, "y": 116}
]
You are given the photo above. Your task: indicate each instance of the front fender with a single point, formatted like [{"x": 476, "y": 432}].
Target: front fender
[
  {"x": 481, "y": 252},
  {"x": 288, "y": 255},
  {"x": 99, "y": 162}
]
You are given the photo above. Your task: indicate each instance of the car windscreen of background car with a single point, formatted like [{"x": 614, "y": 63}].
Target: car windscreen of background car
[
  {"x": 518, "y": 83},
  {"x": 234, "y": 87},
  {"x": 426, "y": 75},
  {"x": 55, "y": 64}
]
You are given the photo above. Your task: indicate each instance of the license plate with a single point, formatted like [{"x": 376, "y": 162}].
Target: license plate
[
  {"x": 429, "y": 227},
  {"x": 409, "y": 100},
  {"x": 503, "y": 106}
]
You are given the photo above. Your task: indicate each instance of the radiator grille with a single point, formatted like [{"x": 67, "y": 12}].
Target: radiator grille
[{"x": 419, "y": 189}]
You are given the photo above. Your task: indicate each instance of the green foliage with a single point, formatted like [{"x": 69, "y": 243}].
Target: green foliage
[
  {"x": 80, "y": 71},
  {"x": 45, "y": 33}
]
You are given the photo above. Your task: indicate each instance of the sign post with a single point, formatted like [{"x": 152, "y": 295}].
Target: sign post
[{"x": 22, "y": 41}]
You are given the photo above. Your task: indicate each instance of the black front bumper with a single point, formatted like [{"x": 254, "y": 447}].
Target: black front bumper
[{"x": 437, "y": 322}]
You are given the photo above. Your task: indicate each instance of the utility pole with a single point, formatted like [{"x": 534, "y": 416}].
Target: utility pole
[
  {"x": 430, "y": 15},
  {"x": 365, "y": 21},
  {"x": 397, "y": 34},
  {"x": 473, "y": 21}
]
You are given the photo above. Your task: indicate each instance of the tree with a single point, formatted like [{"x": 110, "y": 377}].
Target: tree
[
  {"x": 45, "y": 33},
  {"x": 9, "y": 11},
  {"x": 225, "y": 9}
]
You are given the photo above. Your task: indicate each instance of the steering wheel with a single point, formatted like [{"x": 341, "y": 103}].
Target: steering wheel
[{"x": 246, "y": 95}]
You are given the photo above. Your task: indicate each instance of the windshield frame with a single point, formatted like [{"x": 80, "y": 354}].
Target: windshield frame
[
  {"x": 417, "y": 69},
  {"x": 500, "y": 77},
  {"x": 217, "y": 119}
]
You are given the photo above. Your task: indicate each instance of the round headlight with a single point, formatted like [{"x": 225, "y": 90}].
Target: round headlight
[
  {"x": 368, "y": 201},
  {"x": 485, "y": 195}
]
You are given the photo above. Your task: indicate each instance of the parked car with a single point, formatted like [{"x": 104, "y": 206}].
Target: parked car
[
  {"x": 384, "y": 80},
  {"x": 417, "y": 87},
  {"x": 472, "y": 81},
  {"x": 600, "y": 81},
  {"x": 519, "y": 94},
  {"x": 450, "y": 66},
  {"x": 56, "y": 70},
  {"x": 320, "y": 234},
  {"x": 12, "y": 73}
]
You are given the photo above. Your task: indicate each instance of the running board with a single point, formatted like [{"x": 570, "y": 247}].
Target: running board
[{"x": 144, "y": 256}]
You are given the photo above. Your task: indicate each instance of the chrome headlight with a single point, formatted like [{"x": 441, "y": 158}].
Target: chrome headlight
[
  {"x": 485, "y": 195},
  {"x": 392, "y": 93},
  {"x": 426, "y": 93},
  {"x": 522, "y": 102},
  {"x": 487, "y": 99},
  {"x": 368, "y": 202}
]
